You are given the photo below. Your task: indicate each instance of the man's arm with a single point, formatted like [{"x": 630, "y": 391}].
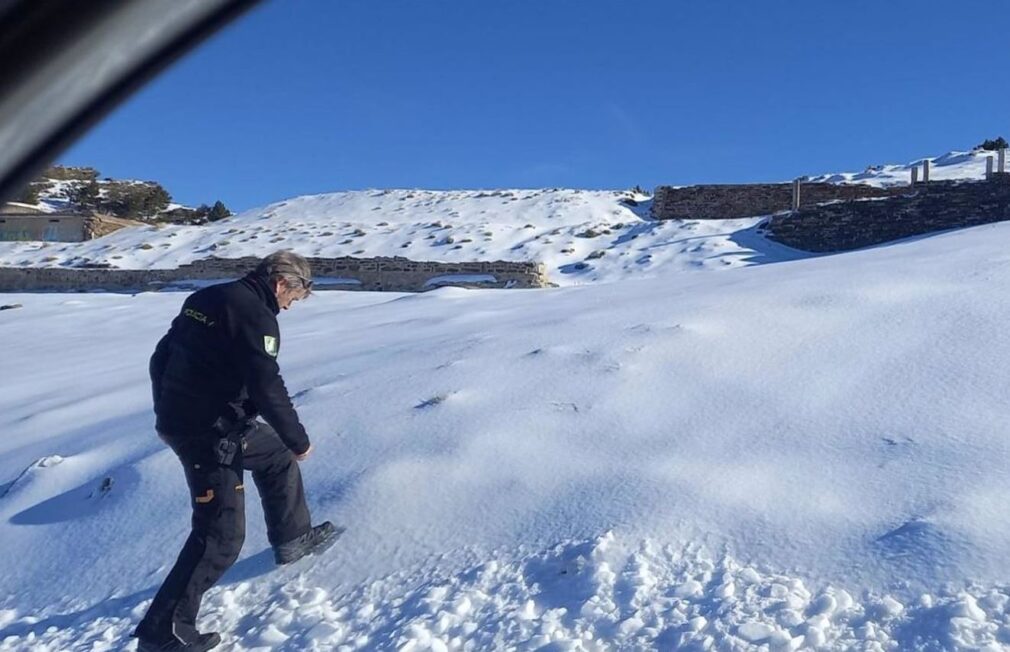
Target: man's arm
[
  {"x": 159, "y": 359},
  {"x": 258, "y": 341}
]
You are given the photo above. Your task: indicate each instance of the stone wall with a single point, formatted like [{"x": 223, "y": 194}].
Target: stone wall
[
  {"x": 924, "y": 208},
  {"x": 709, "y": 202},
  {"x": 374, "y": 274},
  {"x": 98, "y": 225}
]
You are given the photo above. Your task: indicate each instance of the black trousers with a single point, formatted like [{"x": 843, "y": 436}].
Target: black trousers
[{"x": 217, "y": 495}]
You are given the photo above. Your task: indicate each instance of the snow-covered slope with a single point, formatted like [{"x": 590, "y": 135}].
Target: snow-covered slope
[
  {"x": 581, "y": 235},
  {"x": 950, "y": 166},
  {"x": 805, "y": 454}
]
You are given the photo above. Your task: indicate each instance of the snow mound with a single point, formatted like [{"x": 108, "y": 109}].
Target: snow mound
[
  {"x": 803, "y": 455},
  {"x": 593, "y": 595}
]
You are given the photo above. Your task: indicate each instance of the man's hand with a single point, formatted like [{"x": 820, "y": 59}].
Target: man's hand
[{"x": 304, "y": 456}]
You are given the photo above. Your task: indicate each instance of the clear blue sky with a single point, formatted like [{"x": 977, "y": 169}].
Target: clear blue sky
[{"x": 308, "y": 96}]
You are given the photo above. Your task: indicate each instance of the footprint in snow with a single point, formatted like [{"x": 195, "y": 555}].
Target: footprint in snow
[
  {"x": 29, "y": 471},
  {"x": 918, "y": 543},
  {"x": 431, "y": 402},
  {"x": 104, "y": 488},
  {"x": 108, "y": 492},
  {"x": 654, "y": 329},
  {"x": 893, "y": 448}
]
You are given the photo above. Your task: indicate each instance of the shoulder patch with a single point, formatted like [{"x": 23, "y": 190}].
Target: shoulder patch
[
  {"x": 270, "y": 345},
  {"x": 196, "y": 315}
]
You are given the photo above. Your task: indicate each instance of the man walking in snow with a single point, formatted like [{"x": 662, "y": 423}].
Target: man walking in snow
[{"x": 212, "y": 375}]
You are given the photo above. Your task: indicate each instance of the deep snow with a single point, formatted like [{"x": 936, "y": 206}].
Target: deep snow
[{"x": 808, "y": 453}]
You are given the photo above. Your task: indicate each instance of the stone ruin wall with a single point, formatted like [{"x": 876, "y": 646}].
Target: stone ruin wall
[
  {"x": 373, "y": 274},
  {"x": 834, "y": 217},
  {"x": 916, "y": 210},
  {"x": 725, "y": 201},
  {"x": 98, "y": 225}
]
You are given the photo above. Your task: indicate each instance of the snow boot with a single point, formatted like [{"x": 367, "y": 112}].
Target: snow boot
[
  {"x": 202, "y": 643},
  {"x": 316, "y": 540}
]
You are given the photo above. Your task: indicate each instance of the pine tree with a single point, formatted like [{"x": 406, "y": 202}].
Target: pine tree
[
  {"x": 30, "y": 195},
  {"x": 156, "y": 200},
  {"x": 136, "y": 200},
  {"x": 218, "y": 212},
  {"x": 85, "y": 195}
]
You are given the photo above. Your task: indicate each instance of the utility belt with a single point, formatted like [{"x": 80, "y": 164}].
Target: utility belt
[{"x": 231, "y": 437}]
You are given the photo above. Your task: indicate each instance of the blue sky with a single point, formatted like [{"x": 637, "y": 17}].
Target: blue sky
[{"x": 310, "y": 96}]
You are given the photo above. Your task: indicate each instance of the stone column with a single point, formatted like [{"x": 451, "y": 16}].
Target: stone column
[
  {"x": 988, "y": 168},
  {"x": 796, "y": 194},
  {"x": 1002, "y": 161},
  {"x": 925, "y": 171},
  {"x": 915, "y": 174}
]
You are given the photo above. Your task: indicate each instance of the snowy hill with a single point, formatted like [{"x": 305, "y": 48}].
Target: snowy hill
[
  {"x": 803, "y": 455},
  {"x": 950, "y": 166},
  {"x": 582, "y": 236}
]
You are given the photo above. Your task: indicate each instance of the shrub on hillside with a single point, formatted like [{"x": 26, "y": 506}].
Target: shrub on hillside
[
  {"x": 69, "y": 173},
  {"x": 135, "y": 200},
  {"x": 994, "y": 145},
  {"x": 29, "y": 195},
  {"x": 145, "y": 200},
  {"x": 202, "y": 214},
  {"x": 218, "y": 212},
  {"x": 182, "y": 215},
  {"x": 85, "y": 195}
]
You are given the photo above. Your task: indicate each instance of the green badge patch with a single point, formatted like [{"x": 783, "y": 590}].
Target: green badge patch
[{"x": 270, "y": 344}]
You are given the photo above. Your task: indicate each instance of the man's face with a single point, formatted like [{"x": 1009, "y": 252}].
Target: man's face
[{"x": 288, "y": 294}]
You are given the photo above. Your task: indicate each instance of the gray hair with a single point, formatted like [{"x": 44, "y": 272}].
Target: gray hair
[{"x": 285, "y": 265}]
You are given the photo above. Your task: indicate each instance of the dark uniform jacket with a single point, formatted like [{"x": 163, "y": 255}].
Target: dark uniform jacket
[{"x": 218, "y": 361}]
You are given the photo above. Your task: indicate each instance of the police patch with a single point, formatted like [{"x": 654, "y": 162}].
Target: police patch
[{"x": 270, "y": 345}]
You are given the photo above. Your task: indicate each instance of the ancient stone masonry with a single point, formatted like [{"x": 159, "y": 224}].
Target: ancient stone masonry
[
  {"x": 916, "y": 210},
  {"x": 374, "y": 274},
  {"x": 711, "y": 202},
  {"x": 98, "y": 225}
]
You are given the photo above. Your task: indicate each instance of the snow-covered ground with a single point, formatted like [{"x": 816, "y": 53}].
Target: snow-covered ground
[
  {"x": 950, "y": 166},
  {"x": 803, "y": 454},
  {"x": 582, "y": 236}
]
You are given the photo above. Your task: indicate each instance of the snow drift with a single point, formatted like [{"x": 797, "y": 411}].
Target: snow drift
[{"x": 804, "y": 454}]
